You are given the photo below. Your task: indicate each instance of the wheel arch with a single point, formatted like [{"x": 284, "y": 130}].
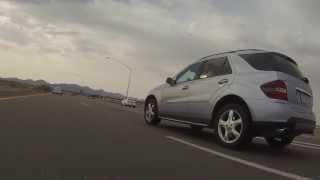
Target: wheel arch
[
  {"x": 151, "y": 96},
  {"x": 231, "y": 98}
]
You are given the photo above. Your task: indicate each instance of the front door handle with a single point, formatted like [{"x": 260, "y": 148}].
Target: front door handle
[
  {"x": 185, "y": 87},
  {"x": 223, "y": 81}
]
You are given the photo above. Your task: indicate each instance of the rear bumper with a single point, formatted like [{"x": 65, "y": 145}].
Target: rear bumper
[
  {"x": 272, "y": 115},
  {"x": 294, "y": 126}
]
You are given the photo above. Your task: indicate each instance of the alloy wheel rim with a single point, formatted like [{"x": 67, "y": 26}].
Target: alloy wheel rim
[
  {"x": 149, "y": 112},
  {"x": 230, "y": 126}
]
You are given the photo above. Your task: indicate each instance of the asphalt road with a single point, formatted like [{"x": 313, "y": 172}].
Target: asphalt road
[{"x": 52, "y": 137}]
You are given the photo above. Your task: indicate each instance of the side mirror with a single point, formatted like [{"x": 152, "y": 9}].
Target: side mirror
[
  {"x": 170, "y": 81},
  {"x": 306, "y": 80}
]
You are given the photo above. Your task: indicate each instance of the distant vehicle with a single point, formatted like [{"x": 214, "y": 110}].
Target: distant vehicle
[
  {"x": 240, "y": 94},
  {"x": 129, "y": 103},
  {"x": 95, "y": 96},
  {"x": 57, "y": 90}
]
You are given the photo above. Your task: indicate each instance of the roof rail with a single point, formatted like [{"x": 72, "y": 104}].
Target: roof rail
[{"x": 227, "y": 52}]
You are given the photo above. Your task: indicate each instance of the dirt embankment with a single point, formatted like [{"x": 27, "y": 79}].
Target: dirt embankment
[{"x": 9, "y": 89}]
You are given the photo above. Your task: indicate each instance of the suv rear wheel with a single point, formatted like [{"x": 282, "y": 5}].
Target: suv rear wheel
[
  {"x": 233, "y": 126},
  {"x": 151, "y": 112}
]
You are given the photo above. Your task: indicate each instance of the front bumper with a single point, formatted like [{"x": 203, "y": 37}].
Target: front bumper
[{"x": 294, "y": 126}]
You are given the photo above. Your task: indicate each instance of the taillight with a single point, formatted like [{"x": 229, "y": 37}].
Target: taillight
[{"x": 276, "y": 90}]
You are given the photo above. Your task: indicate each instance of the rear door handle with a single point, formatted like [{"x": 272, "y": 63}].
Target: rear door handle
[
  {"x": 223, "y": 81},
  {"x": 185, "y": 87}
]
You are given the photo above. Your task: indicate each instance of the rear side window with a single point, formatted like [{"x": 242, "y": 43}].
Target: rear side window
[
  {"x": 273, "y": 62},
  {"x": 215, "y": 67}
]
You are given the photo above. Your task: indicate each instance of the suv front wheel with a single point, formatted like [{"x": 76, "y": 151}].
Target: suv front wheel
[
  {"x": 151, "y": 112},
  {"x": 232, "y": 126}
]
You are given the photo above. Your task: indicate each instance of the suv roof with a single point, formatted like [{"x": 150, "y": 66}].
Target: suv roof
[
  {"x": 245, "y": 51},
  {"x": 235, "y": 51}
]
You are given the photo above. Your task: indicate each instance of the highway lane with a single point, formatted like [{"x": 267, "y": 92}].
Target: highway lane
[{"x": 53, "y": 137}]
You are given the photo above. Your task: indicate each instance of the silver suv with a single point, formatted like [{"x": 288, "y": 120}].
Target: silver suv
[{"x": 240, "y": 94}]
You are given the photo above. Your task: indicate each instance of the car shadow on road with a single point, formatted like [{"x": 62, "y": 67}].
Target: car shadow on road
[{"x": 258, "y": 147}]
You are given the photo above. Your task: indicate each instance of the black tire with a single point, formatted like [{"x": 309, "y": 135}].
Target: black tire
[
  {"x": 279, "y": 142},
  {"x": 196, "y": 128},
  {"x": 245, "y": 136},
  {"x": 155, "y": 120}
]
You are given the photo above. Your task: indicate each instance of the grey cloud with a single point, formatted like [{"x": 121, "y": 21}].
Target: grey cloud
[
  {"x": 14, "y": 35},
  {"x": 124, "y": 1},
  {"x": 87, "y": 45},
  {"x": 51, "y": 1},
  {"x": 310, "y": 11},
  {"x": 63, "y": 33},
  {"x": 5, "y": 46},
  {"x": 251, "y": 31}
]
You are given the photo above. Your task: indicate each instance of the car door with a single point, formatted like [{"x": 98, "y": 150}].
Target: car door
[
  {"x": 215, "y": 75},
  {"x": 174, "y": 96}
]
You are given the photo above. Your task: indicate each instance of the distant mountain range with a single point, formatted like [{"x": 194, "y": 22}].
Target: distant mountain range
[{"x": 72, "y": 88}]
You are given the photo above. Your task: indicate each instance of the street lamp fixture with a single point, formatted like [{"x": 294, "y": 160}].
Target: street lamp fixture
[{"x": 129, "y": 70}]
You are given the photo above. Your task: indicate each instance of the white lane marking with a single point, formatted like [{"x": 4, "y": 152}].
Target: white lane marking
[
  {"x": 241, "y": 161},
  {"x": 301, "y": 144},
  {"x": 315, "y": 136},
  {"x": 304, "y": 146},
  {"x": 18, "y": 97},
  {"x": 85, "y": 104},
  {"x": 306, "y": 143}
]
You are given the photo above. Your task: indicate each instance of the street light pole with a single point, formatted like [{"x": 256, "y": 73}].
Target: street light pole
[{"x": 130, "y": 73}]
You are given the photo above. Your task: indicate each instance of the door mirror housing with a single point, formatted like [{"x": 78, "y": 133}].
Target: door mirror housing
[
  {"x": 170, "y": 81},
  {"x": 306, "y": 80}
]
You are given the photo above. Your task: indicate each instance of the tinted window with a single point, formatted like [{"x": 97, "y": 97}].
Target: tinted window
[
  {"x": 189, "y": 74},
  {"x": 273, "y": 62},
  {"x": 216, "y": 67}
]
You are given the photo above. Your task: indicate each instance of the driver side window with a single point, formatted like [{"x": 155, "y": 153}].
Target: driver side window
[{"x": 189, "y": 74}]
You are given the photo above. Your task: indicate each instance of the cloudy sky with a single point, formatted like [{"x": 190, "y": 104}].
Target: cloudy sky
[{"x": 68, "y": 40}]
